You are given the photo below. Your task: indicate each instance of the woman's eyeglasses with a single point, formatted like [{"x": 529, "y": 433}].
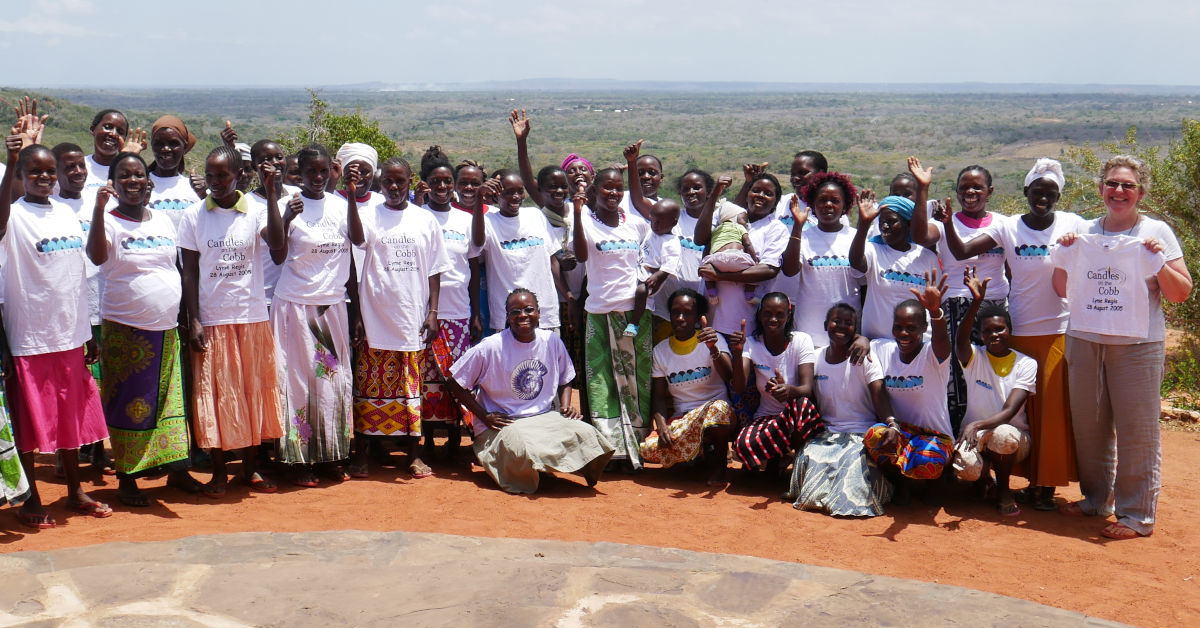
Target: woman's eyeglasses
[
  {"x": 527, "y": 310},
  {"x": 1123, "y": 185}
]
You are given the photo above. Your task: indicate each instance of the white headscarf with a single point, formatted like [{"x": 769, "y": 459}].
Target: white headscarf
[
  {"x": 351, "y": 152},
  {"x": 1047, "y": 168}
]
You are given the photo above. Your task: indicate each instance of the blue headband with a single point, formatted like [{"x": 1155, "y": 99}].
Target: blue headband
[{"x": 902, "y": 206}]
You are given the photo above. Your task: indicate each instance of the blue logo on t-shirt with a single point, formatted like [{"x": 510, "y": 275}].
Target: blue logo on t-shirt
[
  {"x": 822, "y": 378},
  {"x": 903, "y": 382},
  {"x": 151, "y": 242},
  {"x": 454, "y": 235},
  {"x": 690, "y": 244},
  {"x": 617, "y": 245},
  {"x": 172, "y": 204},
  {"x": 521, "y": 243},
  {"x": 829, "y": 261},
  {"x": 689, "y": 375},
  {"x": 984, "y": 384},
  {"x": 999, "y": 250},
  {"x": 888, "y": 274},
  {"x": 1033, "y": 250},
  {"x": 526, "y": 380},
  {"x": 64, "y": 243}
]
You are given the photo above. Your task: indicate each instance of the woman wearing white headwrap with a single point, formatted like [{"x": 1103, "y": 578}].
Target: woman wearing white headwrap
[
  {"x": 1039, "y": 322},
  {"x": 366, "y": 160}
]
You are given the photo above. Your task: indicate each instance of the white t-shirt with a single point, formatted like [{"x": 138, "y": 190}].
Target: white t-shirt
[
  {"x": 917, "y": 389},
  {"x": 843, "y": 395},
  {"x": 825, "y": 279},
  {"x": 365, "y": 203},
  {"x": 318, "y": 260},
  {"x": 516, "y": 378},
  {"x": 517, "y": 250},
  {"x": 1035, "y": 308},
  {"x": 172, "y": 196},
  {"x": 1106, "y": 284},
  {"x": 799, "y": 351},
  {"x": 142, "y": 287},
  {"x": 987, "y": 391},
  {"x": 97, "y": 174},
  {"x": 889, "y": 277},
  {"x": 662, "y": 252},
  {"x": 454, "y": 302},
  {"x": 230, "y": 245},
  {"x": 45, "y": 279},
  {"x": 627, "y": 205},
  {"x": 690, "y": 253},
  {"x": 404, "y": 248},
  {"x": 987, "y": 264},
  {"x": 83, "y": 207},
  {"x": 613, "y": 263},
  {"x": 691, "y": 379},
  {"x": 769, "y": 237},
  {"x": 271, "y": 270}
]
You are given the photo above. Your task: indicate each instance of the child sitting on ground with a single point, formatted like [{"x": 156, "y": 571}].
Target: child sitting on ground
[
  {"x": 995, "y": 431},
  {"x": 729, "y": 249}
]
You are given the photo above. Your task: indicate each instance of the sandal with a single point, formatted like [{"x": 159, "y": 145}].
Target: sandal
[
  {"x": 1008, "y": 508},
  {"x": 419, "y": 471},
  {"x": 307, "y": 480},
  {"x": 37, "y": 521},
  {"x": 259, "y": 484},
  {"x": 1072, "y": 509},
  {"x": 1120, "y": 532},
  {"x": 359, "y": 471},
  {"x": 92, "y": 509}
]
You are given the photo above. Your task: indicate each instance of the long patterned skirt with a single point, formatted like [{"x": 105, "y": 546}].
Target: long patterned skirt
[
  {"x": 833, "y": 474},
  {"x": 920, "y": 453},
  {"x": 313, "y": 354},
  {"x": 13, "y": 484},
  {"x": 235, "y": 399},
  {"x": 387, "y": 392},
  {"x": 437, "y": 404},
  {"x": 142, "y": 392},
  {"x": 618, "y": 381},
  {"x": 767, "y": 437},
  {"x": 687, "y": 432}
]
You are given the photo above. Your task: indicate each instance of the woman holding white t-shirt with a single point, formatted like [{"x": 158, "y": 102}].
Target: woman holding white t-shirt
[
  {"x": 691, "y": 404},
  {"x": 55, "y": 401},
  {"x": 1116, "y": 378},
  {"x": 609, "y": 245},
  {"x": 1039, "y": 318},
  {"x": 235, "y": 386},
  {"x": 398, "y": 318},
  {"x": 310, "y": 322}
]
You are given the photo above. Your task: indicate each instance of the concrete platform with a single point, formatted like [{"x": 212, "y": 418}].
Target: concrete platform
[{"x": 351, "y": 578}]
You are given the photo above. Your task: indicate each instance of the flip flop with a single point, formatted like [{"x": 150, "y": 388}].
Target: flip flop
[
  {"x": 420, "y": 472},
  {"x": 36, "y": 521},
  {"x": 306, "y": 482},
  {"x": 1010, "y": 509},
  {"x": 1120, "y": 532},
  {"x": 359, "y": 472},
  {"x": 1072, "y": 509},
  {"x": 262, "y": 485},
  {"x": 92, "y": 509}
]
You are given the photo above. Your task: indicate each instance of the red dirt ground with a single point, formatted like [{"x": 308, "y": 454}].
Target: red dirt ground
[{"x": 1039, "y": 556}]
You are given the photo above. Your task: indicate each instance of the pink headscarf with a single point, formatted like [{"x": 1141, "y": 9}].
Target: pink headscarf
[{"x": 573, "y": 157}]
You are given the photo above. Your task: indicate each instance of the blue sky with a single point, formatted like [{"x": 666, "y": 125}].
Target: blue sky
[{"x": 312, "y": 43}]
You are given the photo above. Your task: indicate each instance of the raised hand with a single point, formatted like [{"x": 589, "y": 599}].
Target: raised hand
[
  {"x": 707, "y": 334},
  {"x": 977, "y": 287},
  {"x": 490, "y": 192},
  {"x": 268, "y": 173},
  {"x": 106, "y": 192},
  {"x": 420, "y": 192},
  {"x": 520, "y": 124},
  {"x": 737, "y": 340},
  {"x": 799, "y": 212},
  {"x": 924, "y": 176},
  {"x": 352, "y": 180},
  {"x": 199, "y": 185},
  {"x": 30, "y": 126},
  {"x": 295, "y": 207},
  {"x": 14, "y": 143},
  {"x": 751, "y": 171},
  {"x": 935, "y": 287},
  {"x": 868, "y": 209},
  {"x": 632, "y": 151},
  {"x": 943, "y": 211},
  {"x": 228, "y": 135},
  {"x": 136, "y": 142},
  {"x": 723, "y": 183}
]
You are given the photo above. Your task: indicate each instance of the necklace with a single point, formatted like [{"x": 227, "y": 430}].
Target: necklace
[{"x": 1104, "y": 226}]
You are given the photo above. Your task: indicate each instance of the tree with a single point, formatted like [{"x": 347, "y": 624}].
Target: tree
[
  {"x": 335, "y": 129},
  {"x": 1173, "y": 197}
]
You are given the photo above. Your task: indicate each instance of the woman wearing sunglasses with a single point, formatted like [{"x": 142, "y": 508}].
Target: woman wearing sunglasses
[{"x": 1115, "y": 274}]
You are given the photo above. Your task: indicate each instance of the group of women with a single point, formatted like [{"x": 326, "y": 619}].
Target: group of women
[{"x": 344, "y": 303}]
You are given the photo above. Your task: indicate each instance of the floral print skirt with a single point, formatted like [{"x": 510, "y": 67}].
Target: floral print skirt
[
  {"x": 315, "y": 375},
  {"x": 687, "y": 434}
]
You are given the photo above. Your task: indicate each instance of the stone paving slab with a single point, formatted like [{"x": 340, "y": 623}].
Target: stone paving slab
[{"x": 353, "y": 578}]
